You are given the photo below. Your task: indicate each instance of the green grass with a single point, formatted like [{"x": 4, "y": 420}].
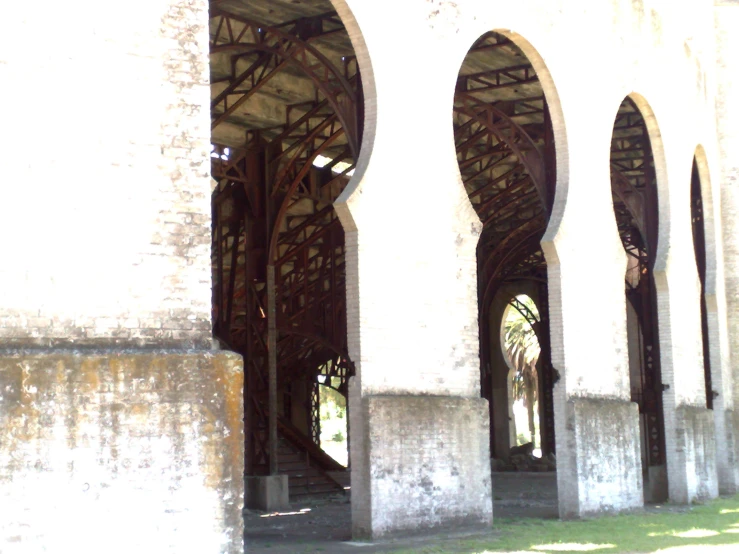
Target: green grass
[{"x": 711, "y": 529}]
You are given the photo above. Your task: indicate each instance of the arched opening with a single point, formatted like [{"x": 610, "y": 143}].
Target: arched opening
[
  {"x": 287, "y": 113},
  {"x": 635, "y": 203},
  {"x": 521, "y": 348},
  {"x": 718, "y": 396},
  {"x": 330, "y": 425},
  {"x": 505, "y": 149},
  {"x": 697, "y": 218}
]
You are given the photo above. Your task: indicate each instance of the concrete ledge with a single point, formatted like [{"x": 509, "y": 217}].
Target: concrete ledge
[
  {"x": 89, "y": 441},
  {"x": 430, "y": 464},
  {"x": 269, "y": 493},
  {"x": 606, "y": 471}
]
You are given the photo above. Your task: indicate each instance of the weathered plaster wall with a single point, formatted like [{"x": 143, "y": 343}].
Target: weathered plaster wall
[
  {"x": 727, "y": 121},
  {"x": 121, "y": 453},
  {"x": 696, "y": 449},
  {"x": 104, "y": 206},
  {"x": 104, "y": 188},
  {"x": 429, "y": 463},
  {"x": 609, "y": 469},
  {"x": 411, "y": 327},
  {"x": 413, "y": 310},
  {"x": 105, "y": 214}
]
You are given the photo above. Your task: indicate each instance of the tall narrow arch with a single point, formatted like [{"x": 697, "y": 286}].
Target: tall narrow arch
[
  {"x": 287, "y": 119},
  {"x": 509, "y": 138},
  {"x": 698, "y": 225},
  {"x": 716, "y": 364},
  {"x": 636, "y": 174},
  {"x": 704, "y": 242}
]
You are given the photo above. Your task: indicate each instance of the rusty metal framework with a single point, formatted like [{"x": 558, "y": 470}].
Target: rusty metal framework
[
  {"x": 315, "y": 413},
  {"x": 531, "y": 318},
  {"x": 548, "y": 376},
  {"x": 634, "y": 188},
  {"x": 278, "y": 247},
  {"x": 505, "y": 150}
]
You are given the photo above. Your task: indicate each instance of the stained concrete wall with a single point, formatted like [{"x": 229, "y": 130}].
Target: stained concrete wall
[
  {"x": 104, "y": 188},
  {"x": 413, "y": 309},
  {"x": 121, "y": 147},
  {"x": 105, "y": 216},
  {"x": 614, "y": 463},
  {"x": 425, "y": 451},
  {"x": 121, "y": 453}
]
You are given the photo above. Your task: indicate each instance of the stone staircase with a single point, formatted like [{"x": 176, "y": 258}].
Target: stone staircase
[{"x": 306, "y": 465}]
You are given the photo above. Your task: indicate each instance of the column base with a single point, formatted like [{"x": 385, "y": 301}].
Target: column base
[
  {"x": 691, "y": 462},
  {"x": 425, "y": 465},
  {"x": 268, "y": 493},
  {"x": 599, "y": 458},
  {"x": 655, "y": 484},
  {"x": 727, "y": 451},
  {"x": 154, "y": 440}
]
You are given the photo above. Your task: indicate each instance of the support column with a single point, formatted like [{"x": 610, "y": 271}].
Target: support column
[
  {"x": 420, "y": 430},
  {"x": 270, "y": 492},
  {"x": 597, "y": 426},
  {"x": 690, "y": 426},
  {"x": 272, "y": 352},
  {"x": 727, "y": 122},
  {"x": 120, "y": 424}
]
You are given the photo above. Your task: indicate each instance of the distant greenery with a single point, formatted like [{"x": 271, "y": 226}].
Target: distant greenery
[
  {"x": 522, "y": 348},
  {"x": 333, "y": 424},
  {"x": 709, "y": 529}
]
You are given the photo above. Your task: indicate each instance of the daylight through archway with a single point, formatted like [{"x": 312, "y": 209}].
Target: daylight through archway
[
  {"x": 506, "y": 154},
  {"x": 286, "y": 118},
  {"x": 520, "y": 328}
]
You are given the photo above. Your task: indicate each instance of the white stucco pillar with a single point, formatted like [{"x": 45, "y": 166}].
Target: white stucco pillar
[
  {"x": 727, "y": 121},
  {"x": 597, "y": 427},
  {"x": 420, "y": 453}
]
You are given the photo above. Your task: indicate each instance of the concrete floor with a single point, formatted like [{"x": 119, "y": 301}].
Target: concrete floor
[{"x": 324, "y": 525}]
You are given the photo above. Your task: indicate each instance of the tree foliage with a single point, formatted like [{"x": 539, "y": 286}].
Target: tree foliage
[{"x": 522, "y": 347}]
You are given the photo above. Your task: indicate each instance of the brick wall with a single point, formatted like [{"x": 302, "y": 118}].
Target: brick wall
[
  {"x": 104, "y": 187},
  {"x": 727, "y": 121}
]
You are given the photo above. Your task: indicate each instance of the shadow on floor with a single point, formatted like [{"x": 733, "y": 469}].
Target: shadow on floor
[{"x": 324, "y": 524}]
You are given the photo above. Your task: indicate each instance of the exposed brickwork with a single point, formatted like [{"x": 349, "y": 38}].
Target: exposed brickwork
[
  {"x": 727, "y": 121},
  {"x": 105, "y": 225},
  {"x": 430, "y": 463},
  {"x": 114, "y": 243},
  {"x": 412, "y": 305}
]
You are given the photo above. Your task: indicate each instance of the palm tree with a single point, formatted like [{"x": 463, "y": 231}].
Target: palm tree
[{"x": 522, "y": 347}]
